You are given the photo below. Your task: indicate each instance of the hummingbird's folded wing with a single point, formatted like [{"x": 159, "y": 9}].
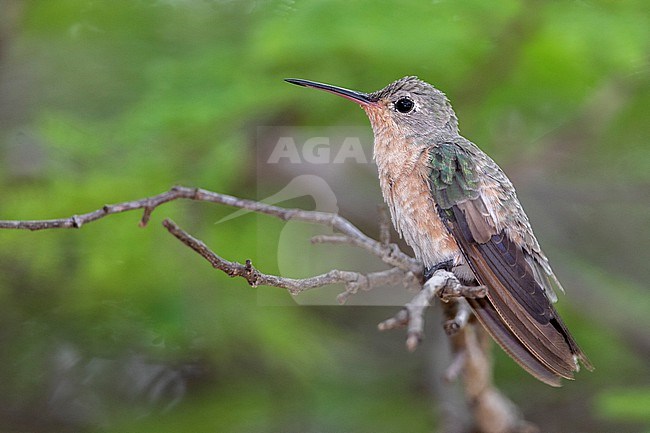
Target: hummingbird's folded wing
[
  {"x": 517, "y": 311},
  {"x": 518, "y": 299}
]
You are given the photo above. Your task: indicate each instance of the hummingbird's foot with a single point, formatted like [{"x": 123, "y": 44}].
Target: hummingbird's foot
[
  {"x": 447, "y": 265},
  {"x": 454, "y": 291}
]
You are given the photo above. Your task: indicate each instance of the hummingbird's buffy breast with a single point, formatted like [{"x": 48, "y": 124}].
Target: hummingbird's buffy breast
[{"x": 403, "y": 176}]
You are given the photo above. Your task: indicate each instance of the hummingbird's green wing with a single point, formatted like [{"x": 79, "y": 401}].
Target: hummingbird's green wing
[{"x": 479, "y": 207}]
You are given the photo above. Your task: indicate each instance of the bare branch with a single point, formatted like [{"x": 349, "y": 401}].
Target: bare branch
[
  {"x": 399, "y": 320},
  {"x": 461, "y": 317},
  {"x": 331, "y": 239},
  {"x": 77, "y": 221},
  {"x": 353, "y": 281},
  {"x": 389, "y": 277},
  {"x": 388, "y": 253},
  {"x": 442, "y": 284},
  {"x": 456, "y": 366}
]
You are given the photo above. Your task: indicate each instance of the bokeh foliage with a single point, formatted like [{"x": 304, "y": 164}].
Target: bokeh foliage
[{"x": 106, "y": 101}]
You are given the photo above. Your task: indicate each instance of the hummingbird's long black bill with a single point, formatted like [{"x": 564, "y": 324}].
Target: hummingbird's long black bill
[{"x": 352, "y": 95}]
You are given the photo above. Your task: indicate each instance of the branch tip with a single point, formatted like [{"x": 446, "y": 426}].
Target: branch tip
[
  {"x": 456, "y": 366},
  {"x": 146, "y": 216},
  {"x": 413, "y": 341}
]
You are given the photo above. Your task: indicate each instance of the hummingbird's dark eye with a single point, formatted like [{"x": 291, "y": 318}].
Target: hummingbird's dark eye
[{"x": 404, "y": 105}]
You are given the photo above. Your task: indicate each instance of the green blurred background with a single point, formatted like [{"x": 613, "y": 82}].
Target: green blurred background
[{"x": 117, "y": 328}]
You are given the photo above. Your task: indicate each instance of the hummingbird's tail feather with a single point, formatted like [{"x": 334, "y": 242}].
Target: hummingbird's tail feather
[
  {"x": 517, "y": 311},
  {"x": 533, "y": 321},
  {"x": 575, "y": 349},
  {"x": 492, "y": 322}
]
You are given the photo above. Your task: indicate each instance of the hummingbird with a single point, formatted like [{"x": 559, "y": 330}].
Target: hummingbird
[{"x": 458, "y": 211}]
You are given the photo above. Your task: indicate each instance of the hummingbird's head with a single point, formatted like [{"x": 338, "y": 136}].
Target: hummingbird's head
[{"x": 408, "y": 106}]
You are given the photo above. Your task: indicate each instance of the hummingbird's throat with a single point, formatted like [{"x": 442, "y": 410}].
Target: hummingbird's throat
[{"x": 380, "y": 118}]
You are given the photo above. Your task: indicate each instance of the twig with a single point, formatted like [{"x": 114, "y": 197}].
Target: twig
[
  {"x": 461, "y": 317},
  {"x": 353, "y": 281},
  {"x": 389, "y": 253},
  {"x": 331, "y": 239},
  {"x": 442, "y": 284}
]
